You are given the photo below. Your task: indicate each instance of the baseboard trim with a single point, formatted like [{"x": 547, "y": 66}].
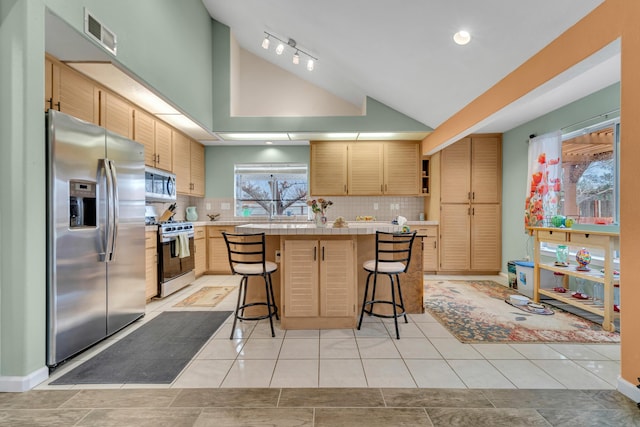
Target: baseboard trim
[
  {"x": 15, "y": 384},
  {"x": 628, "y": 389}
]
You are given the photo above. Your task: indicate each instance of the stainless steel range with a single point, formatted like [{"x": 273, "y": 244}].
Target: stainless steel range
[{"x": 175, "y": 256}]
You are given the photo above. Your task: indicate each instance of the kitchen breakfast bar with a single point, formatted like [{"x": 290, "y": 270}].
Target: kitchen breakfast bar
[{"x": 320, "y": 281}]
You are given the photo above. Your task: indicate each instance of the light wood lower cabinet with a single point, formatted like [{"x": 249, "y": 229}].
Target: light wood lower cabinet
[
  {"x": 217, "y": 249},
  {"x": 319, "y": 283},
  {"x": 151, "y": 264},
  {"x": 429, "y": 235},
  {"x": 200, "y": 248}
]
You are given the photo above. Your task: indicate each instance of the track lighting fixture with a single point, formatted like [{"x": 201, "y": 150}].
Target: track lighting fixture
[{"x": 293, "y": 45}]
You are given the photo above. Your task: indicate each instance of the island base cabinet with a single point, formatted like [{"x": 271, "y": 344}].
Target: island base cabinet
[{"x": 319, "y": 284}]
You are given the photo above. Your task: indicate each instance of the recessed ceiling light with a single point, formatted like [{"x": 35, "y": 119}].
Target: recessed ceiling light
[
  {"x": 268, "y": 142},
  {"x": 462, "y": 37}
]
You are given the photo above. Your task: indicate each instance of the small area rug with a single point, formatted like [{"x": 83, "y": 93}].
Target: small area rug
[
  {"x": 207, "y": 296},
  {"x": 476, "y": 312},
  {"x": 155, "y": 353}
]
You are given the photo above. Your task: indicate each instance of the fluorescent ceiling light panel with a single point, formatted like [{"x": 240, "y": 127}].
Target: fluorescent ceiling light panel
[{"x": 254, "y": 136}]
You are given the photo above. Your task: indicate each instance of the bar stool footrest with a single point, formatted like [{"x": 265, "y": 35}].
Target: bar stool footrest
[{"x": 386, "y": 316}]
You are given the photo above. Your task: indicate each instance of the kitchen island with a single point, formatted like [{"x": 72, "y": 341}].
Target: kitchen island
[{"x": 320, "y": 280}]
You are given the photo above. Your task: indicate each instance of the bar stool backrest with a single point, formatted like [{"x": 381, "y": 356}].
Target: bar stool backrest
[
  {"x": 245, "y": 249},
  {"x": 394, "y": 247}
]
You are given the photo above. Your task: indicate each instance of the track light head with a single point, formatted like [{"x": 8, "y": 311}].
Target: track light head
[{"x": 293, "y": 45}]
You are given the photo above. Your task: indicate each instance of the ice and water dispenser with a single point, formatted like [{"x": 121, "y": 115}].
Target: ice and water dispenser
[{"x": 82, "y": 204}]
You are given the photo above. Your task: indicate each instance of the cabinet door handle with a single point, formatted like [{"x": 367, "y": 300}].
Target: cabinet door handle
[
  {"x": 473, "y": 195},
  {"x": 315, "y": 248},
  {"x": 158, "y": 158},
  {"x": 381, "y": 188},
  {"x": 50, "y": 103},
  {"x": 469, "y": 195},
  {"x": 57, "y": 104},
  {"x": 435, "y": 245},
  {"x": 473, "y": 211},
  {"x": 385, "y": 187},
  {"x": 323, "y": 253},
  {"x": 345, "y": 189}
]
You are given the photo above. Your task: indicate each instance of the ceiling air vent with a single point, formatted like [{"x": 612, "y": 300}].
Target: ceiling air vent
[{"x": 101, "y": 34}]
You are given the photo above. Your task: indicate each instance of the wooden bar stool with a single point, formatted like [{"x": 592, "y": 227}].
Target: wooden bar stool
[
  {"x": 393, "y": 253},
  {"x": 247, "y": 258}
]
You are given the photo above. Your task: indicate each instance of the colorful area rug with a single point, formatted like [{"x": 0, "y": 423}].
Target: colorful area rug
[
  {"x": 476, "y": 312},
  {"x": 207, "y": 296}
]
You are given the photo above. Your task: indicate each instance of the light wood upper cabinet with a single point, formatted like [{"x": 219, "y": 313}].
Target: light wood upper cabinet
[
  {"x": 197, "y": 169},
  {"x": 402, "y": 168},
  {"x": 486, "y": 167},
  {"x": 156, "y": 137},
  {"x": 328, "y": 169},
  {"x": 70, "y": 92},
  {"x": 188, "y": 165},
  {"x": 182, "y": 162},
  {"x": 163, "y": 146},
  {"x": 455, "y": 172},
  {"x": 144, "y": 133},
  {"x": 116, "y": 114},
  {"x": 471, "y": 171},
  {"x": 365, "y": 168}
]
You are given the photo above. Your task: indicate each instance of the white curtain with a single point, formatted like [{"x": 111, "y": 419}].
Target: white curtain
[{"x": 544, "y": 180}]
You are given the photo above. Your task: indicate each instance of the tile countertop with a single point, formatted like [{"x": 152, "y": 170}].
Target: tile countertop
[
  {"x": 241, "y": 222},
  {"x": 297, "y": 228}
]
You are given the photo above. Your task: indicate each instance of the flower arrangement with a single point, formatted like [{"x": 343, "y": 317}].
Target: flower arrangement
[{"x": 319, "y": 206}]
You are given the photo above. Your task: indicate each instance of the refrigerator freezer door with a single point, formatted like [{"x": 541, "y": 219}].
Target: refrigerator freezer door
[
  {"x": 126, "y": 270},
  {"x": 76, "y": 285}
]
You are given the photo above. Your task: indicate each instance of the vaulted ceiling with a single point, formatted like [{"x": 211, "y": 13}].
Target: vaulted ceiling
[{"x": 403, "y": 54}]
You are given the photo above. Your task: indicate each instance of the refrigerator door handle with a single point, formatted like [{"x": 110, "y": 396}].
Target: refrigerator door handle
[
  {"x": 107, "y": 256},
  {"x": 115, "y": 208},
  {"x": 104, "y": 180}
]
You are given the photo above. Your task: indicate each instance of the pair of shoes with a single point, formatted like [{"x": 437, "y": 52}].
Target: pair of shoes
[
  {"x": 579, "y": 295},
  {"x": 560, "y": 290}
]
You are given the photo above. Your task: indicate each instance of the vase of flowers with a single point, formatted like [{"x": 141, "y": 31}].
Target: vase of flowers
[{"x": 319, "y": 208}]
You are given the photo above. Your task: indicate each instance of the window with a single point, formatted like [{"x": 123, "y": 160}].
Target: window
[
  {"x": 590, "y": 160},
  {"x": 270, "y": 189}
]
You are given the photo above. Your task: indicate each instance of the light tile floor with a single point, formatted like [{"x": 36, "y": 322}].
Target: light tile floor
[{"x": 426, "y": 356}]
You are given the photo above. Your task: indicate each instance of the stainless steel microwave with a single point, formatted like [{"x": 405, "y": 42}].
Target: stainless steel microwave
[{"x": 160, "y": 186}]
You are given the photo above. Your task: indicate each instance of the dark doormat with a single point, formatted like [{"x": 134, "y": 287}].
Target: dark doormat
[{"x": 155, "y": 353}]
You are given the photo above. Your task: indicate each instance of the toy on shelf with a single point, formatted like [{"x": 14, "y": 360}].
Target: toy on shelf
[{"x": 583, "y": 257}]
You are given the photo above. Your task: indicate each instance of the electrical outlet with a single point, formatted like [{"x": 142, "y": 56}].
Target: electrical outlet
[
  {"x": 208, "y": 206},
  {"x": 375, "y": 206},
  {"x": 225, "y": 206},
  {"x": 277, "y": 256}
]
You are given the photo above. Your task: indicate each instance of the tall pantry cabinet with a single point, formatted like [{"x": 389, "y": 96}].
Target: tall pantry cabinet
[{"x": 470, "y": 204}]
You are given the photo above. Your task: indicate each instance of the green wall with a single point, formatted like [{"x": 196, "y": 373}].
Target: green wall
[
  {"x": 166, "y": 43},
  {"x": 220, "y": 161},
  {"x": 22, "y": 190},
  {"x": 515, "y": 243}
]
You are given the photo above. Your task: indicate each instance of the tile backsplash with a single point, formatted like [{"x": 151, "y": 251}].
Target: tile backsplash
[{"x": 349, "y": 207}]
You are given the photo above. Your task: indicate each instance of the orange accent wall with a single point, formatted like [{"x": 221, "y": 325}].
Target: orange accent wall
[{"x": 611, "y": 20}]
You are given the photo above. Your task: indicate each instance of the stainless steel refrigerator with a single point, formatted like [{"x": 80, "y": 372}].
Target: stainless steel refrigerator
[{"x": 95, "y": 227}]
